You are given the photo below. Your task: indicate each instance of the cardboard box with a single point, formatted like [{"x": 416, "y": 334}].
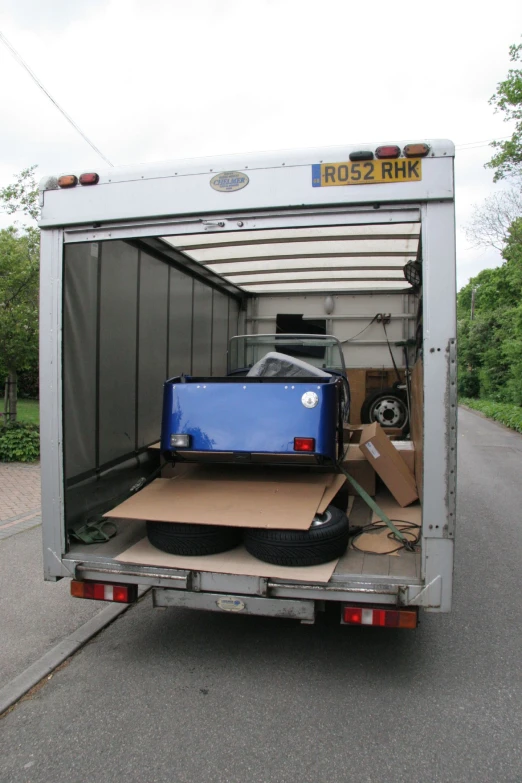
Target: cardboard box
[
  {"x": 388, "y": 464},
  {"x": 353, "y": 433},
  {"x": 358, "y": 466},
  {"x": 406, "y": 449}
]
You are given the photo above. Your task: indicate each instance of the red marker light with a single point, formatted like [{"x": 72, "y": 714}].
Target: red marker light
[
  {"x": 304, "y": 444},
  {"x": 89, "y": 179},
  {"x": 389, "y": 151}
]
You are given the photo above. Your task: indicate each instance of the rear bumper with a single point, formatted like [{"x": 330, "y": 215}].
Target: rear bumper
[{"x": 361, "y": 589}]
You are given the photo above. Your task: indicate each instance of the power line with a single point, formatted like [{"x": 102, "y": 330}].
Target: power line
[
  {"x": 478, "y": 144},
  {"x": 40, "y": 85}
]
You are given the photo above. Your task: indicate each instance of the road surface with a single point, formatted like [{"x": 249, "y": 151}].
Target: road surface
[{"x": 176, "y": 696}]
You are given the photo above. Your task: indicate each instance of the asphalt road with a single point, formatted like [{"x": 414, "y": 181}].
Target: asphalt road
[
  {"x": 164, "y": 696},
  {"x": 34, "y": 615}
]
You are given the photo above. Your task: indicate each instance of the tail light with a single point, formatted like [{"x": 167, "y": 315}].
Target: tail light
[
  {"x": 68, "y": 181},
  {"x": 304, "y": 444},
  {"x": 389, "y": 151},
  {"x": 89, "y": 179},
  {"x": 384, "y": 618},
  {"x": 416, "y": 150},
  {"x": 102, "y": 591}
]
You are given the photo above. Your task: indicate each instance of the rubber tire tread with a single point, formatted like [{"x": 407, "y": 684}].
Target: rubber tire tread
[
  {"x": 192, "y": 540},
  {"x": 300, "y": 547}
]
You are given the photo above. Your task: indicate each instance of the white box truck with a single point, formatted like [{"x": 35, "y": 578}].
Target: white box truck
[{"x": 149, "y": 272}]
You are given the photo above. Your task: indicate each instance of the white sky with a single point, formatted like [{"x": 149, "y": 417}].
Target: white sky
[{"x": 164, "y": 79}]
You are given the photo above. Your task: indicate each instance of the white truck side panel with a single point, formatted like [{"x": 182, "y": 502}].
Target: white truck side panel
[
  {"x": 51, "y": 439},
  {"x": 440, "y": 403}
]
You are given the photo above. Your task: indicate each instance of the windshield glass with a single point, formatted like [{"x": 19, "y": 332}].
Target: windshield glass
[{"x": 323, "y": 351}]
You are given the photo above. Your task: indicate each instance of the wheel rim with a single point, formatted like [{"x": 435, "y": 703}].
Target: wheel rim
[
  {"x": 389, "y": 412},
  {"x": 321, "y": 519}
]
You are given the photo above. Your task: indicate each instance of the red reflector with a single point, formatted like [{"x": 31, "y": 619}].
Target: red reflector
[
  {"x": 121, "y": 594},
  {"x": 390, "y": 151},
  {"x": 101, "y": 591},
  {"x": 304, "y": 444},
  {"x": 382, "y": 618},
  {"x": 67, "y": 181},
  {"x": 89, "y": 179},
  {"x": 416, "y": 150}
]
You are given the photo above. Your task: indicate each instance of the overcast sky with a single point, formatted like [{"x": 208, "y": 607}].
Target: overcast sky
[{"x": 162, "y": 79}]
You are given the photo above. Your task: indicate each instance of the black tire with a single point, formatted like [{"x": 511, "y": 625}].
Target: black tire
[
  {"x": 180, "y": 539},
  {"x": 389, "y": 407},
  {"x": 340, "y": 501},
  {"x": 321, "y": 543}
]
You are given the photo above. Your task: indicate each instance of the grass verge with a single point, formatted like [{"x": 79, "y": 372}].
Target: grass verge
[
  {"x": 505, "y": 413},
  {"x": 28, "y": 411}
]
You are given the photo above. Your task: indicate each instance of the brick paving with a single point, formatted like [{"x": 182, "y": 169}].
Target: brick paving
[{"x": 19, "y": 497}]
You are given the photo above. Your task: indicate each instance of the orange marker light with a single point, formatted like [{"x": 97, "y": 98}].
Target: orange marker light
[
  {"x": 416, "y": 150},
  {"x": 68, "y": 181}
]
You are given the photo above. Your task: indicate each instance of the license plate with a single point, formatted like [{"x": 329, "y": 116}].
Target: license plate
[{"x": 367, "y": 172}]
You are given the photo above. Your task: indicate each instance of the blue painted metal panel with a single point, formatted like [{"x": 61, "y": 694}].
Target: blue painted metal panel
[{"x": 249, "y": 416}]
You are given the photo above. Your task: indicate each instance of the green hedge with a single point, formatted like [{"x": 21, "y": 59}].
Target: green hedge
[
  {"x": 19, "y": 442},
  {"x": 510, "y": 415}
]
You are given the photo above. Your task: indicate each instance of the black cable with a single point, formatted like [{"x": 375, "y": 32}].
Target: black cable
[
  {"x": 391, "y": 352},
  {"x": 375, "y": 526},
  {"x": 349, "y": 339}
]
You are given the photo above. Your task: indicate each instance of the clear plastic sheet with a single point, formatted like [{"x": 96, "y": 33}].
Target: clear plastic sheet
[{"x": 280, "y": 365}]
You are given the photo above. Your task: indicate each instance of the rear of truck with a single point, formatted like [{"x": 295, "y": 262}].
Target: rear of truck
[{"x": 148, "y": 273}]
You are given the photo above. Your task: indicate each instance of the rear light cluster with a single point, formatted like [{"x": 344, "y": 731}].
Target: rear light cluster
[
  {"x": 304, "y": 444},
  {"x": 384, "y": 618},
  {"x": 71, "y": 180},
  {"x": 101, "y": 591},
  {"x": 389, "y": 151}
]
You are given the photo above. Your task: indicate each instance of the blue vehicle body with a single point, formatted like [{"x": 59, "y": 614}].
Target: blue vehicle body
[{"x": 246, "y": 416}]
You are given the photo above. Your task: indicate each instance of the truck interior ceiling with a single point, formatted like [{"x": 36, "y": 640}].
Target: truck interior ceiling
[{"x": 141, "y": 309}]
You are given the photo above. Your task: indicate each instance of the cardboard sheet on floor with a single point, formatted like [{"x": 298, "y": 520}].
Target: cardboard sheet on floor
[
  {"x": 285, "y": 503},
  {"x": 235, "y": 561},
  {"x": 392, "y": 509}
]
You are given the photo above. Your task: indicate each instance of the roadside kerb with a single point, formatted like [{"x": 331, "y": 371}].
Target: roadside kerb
[{"x": 24, "y": 682}]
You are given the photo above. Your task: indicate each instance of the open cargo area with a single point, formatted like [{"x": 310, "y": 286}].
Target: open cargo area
[{"x": 205, "y": 290}]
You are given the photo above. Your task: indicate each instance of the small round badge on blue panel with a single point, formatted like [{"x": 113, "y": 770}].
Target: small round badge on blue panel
[{"x": 309, "y": 399}]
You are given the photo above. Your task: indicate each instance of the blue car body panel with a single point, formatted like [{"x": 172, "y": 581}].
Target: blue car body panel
[{"x": 249, "y": 415}]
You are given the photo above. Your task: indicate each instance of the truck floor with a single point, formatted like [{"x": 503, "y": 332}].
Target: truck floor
[{"x": 352, "y": 563}]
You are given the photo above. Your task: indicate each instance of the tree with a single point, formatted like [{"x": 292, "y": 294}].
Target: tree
[
  {"x": 22, "y": 195},
  {"x": 508, "y": 99},
  {"x": 490, "y": 345},
  {"x": 19, "y": 268},
  {"x": 491, "y": 223}
]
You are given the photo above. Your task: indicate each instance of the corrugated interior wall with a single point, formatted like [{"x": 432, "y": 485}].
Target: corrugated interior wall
[
  {"x": 364, "y": 343},
  {"x": 130, "y": 321}
]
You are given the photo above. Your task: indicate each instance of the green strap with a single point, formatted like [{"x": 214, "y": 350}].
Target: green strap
[
  {"x": 373, "y": 505},
  {"x": 94, "y": 533}
]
